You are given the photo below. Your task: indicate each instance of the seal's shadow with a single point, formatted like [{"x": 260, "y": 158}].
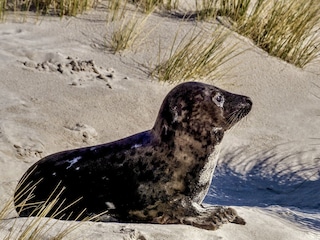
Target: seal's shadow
[{"x": 269, "y": 179}]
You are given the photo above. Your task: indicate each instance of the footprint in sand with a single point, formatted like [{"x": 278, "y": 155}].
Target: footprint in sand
[
  {"x": 17, "y": 128},
  {"x": 29, "y": 150},
  {"x": 80, "y": 71},
  {"x": 84, "y": 133},
  {"x": 26, "y": 145},
  {"x": 132, "y": 234}
]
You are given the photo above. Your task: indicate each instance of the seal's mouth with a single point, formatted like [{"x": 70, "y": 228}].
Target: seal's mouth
[{"x": 240, "y": 111}]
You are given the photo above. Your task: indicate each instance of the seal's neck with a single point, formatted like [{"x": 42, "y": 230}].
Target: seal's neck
[{"x": 201, "y": 137}]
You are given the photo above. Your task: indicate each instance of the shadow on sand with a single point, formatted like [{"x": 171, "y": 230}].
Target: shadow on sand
[{"x": 273, "y": 179}]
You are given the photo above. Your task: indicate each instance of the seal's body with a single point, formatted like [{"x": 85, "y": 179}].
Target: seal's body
[{"x": 160, "y": 175}]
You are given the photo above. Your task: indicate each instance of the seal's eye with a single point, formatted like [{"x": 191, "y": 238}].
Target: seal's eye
[{"x": 218, "y": 99}]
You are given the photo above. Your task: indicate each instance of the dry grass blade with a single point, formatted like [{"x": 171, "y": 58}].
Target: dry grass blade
[
  {"x": 125, "y": 32},
  {"x": 116, "y": 9},
  {"x": 6, "y": 209},
  {"x": 3, "y": 4},
  {"x": 45, "y": 221},
  {"x": 148, "y": 6},
  {"x": 236, "y": 10},
  {"x": 171, "y": 4},
  {"x": 206, "y": 9},
  {"x": 73, "y": 7},
  {"x": 197, "y": 56}
]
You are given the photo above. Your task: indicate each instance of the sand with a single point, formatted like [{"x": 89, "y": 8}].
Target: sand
[{"x": 269, "y": 164}]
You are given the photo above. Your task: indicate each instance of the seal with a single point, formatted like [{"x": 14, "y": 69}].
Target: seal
[{"x": 159, "y": 176}]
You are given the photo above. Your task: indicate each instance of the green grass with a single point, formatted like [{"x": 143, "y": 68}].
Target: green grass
[{"x": 198, "y": 55}]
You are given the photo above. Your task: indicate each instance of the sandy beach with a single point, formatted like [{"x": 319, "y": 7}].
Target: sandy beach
[{"x": 269, "y": 166}]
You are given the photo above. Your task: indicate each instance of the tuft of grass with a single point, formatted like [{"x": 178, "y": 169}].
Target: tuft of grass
[
  {"x": 171, "y": 4},
  {"x": 57, "y": 7},
  {"x": 116, "y": 9},
  {"x": 73, "y": 7},
  {"x": 197, "y": 56},
  {"x": 126, "y": 32},
  {"x": 148, "y": 6},
  {"x": 42, "y": 224},
  {"x": 295, "y": 39},
  {"x": 206, "y": 9},
  {"x": 236, "y": 10},
  {"x": 285, "y": 29}
]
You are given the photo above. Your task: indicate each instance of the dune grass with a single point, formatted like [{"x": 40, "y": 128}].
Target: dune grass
[
  {"x": 236, "y": 10},
  {"x": 116, "y": 10},
  {"x": 2, "y": 9},
  {"x": 205, "y": 10},
  {"x": 284, "y": 29},
  {"x": 287, "y": 29},
  {"x": 150, "y": 5},
  {"x": 44, "y": 223},
  {"x": 56, "y": 7},
  {"x": 125, "y": 32},
  {"x": 117, "y": 7},
  {"x": 33, "y": 228},
  {"x": 198, "y": 55}
]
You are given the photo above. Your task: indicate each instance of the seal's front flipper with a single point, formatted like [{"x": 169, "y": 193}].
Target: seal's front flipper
[
  {"x": 206, "y": 218},
  {"x": 213, "y": 217},
  {"x": 226, "y": 214}
]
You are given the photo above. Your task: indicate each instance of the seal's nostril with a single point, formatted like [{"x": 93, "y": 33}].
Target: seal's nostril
[
  {"x": 248, "y": 101},
  {"x": 245, "y": 105}
]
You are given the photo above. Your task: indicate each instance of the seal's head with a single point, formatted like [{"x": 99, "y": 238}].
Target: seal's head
[{"x": 200, "y": 110}]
